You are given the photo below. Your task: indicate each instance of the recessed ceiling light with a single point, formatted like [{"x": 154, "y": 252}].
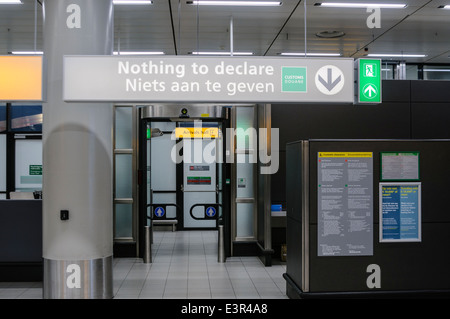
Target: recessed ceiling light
[
  {"x": 361, "y": 5},
  {"x": 134, "y": 2},
  {"x": 10, "y": 2},
  {"x": 382, "y": 55},
  {"x": 139, "y": 53},
  {"x": 220, "y": 53},
  {"x": 234, "y": 3},
  {"x": 330, "y": 34},
  {"x": 309, "y": 54}
]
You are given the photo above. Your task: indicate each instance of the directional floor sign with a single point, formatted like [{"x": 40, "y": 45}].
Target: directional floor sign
[{"x": 369, "y": 81}]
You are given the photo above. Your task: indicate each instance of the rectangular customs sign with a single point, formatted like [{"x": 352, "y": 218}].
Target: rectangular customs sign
[{"x": 207, "y": 79}]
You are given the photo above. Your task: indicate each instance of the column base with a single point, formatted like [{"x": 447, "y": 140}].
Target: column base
[{"x": 78, "y": 279}]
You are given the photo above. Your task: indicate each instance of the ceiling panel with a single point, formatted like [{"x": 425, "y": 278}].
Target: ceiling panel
[
  {"x": 174, "y": 27},
  {"x": 353, "y": 22},
  {"x": 208, "y": 28}
]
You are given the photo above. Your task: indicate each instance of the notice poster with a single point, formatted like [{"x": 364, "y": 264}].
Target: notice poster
[
  {"x": 400, "y": 215},
  {"x": 345, "y": 203},
  {"x": 399, "y": 166}
]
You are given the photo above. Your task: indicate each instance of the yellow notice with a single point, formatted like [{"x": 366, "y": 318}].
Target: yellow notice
[
  {"x": 345, "y": 154},
  {"x": 21, "y": 78},
  {"x": 197, "y": 132}
]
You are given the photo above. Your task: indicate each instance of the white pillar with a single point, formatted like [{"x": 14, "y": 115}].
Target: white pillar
[{"x": 77, "y": 158}]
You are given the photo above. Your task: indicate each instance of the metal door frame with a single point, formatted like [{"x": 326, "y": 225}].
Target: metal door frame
[{"x": 174, "y": 113}]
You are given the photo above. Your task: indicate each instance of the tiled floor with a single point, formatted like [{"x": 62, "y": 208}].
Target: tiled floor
[{"x": 184, "y": 266}]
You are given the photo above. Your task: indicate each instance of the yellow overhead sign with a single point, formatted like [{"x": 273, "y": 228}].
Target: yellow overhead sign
[
  {"x": 21, "y": 78},
  {"x": 196, "y": 132}
]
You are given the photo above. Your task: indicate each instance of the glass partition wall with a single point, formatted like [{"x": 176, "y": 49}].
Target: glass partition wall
[
  {"x": 244, "y": 208},
  {"x": 20, "y": 151},
  {"x": 125, "y": 184}
]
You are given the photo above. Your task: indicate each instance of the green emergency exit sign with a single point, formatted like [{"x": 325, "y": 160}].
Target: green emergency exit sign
[
  {"x": 35, "y": 170},
  {"x": 369, "y": 81}
]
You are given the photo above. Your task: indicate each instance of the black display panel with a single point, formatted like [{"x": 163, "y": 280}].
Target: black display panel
[{"x": 394, "y": 267}]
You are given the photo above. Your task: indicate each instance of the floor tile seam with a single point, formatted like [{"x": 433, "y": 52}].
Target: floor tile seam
[
  {"x": 231, "y": 282},
  {"x": 24, "y": 292},
  {"x": 188, "y": 265},
  {"x": 146, "y": 277},
  {"x": 174, "y": 246},
  {"x": 220, "y": 277},
  {"x": 268, "y": 276},
  {"x": 8, "y": 294},
  {"x": 169, "y": 291},
  {"x": 123, "y": 280},
  {"x": 207, "y": 270},
  {"x": 167, "y": 273},
  {"x": 142, "y": 285},
  {"x": 251, "y": 279}
]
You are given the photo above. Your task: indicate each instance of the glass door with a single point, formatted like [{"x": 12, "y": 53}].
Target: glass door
[
  {"x": 161, "y": 171},
  {"x": 28, "y": 165},
  {"x": 201, "y": 186}
]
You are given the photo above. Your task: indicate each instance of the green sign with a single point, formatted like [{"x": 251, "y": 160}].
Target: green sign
[
  {"x": 293, "y": 79},
  {"x": 35, "y": 170},
  {"x": 369, "y": 84}
]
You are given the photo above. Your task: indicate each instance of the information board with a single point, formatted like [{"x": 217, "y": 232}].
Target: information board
[
  {"x": 400, "y": 215},
  {"x": 345, "y": 204},
  {"x": 399, "y": 166}
]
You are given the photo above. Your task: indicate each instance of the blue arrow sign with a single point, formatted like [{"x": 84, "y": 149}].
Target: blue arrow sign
[
  {"x": 210, "y": 211},
  {"x": 159, "y": 211}
]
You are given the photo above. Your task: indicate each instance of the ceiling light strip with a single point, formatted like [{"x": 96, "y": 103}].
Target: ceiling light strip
[
  {"x": 382, "y": 55},
  {"x": 436, "y": 70},
  {"x": 361, "y": 5},
  {"x": 235, "y": 3},
  {"x": 27, "y": 52},
  {"x": 132, "y": 2},
  {"x": 10, "y": 2},
  {"x": 139, "y": 53},
  {"x": 309, "y": 54},
  {"x": 220, "y": 53}
]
